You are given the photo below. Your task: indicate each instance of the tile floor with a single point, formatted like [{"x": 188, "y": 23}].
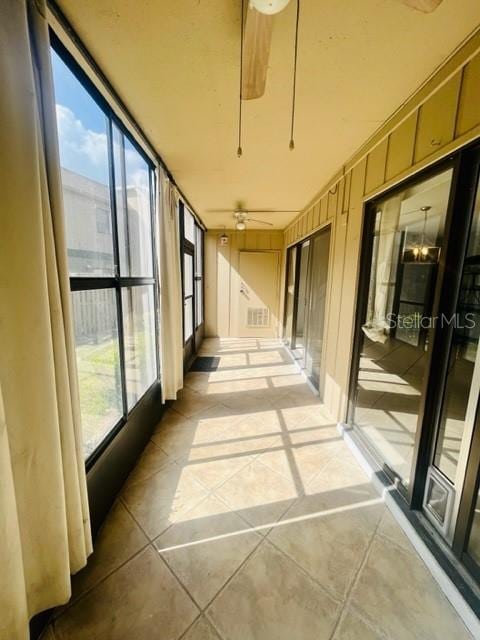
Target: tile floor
[{"x": 247, "y": 518}]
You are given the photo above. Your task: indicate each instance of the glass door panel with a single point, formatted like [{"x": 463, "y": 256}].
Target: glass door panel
[
  {"x": 289, "y": 295},
  {"x": 408, "y": 231},
  {"x": 301, "y": 301},
  {"x": 463, "y": 383},
  {"x": 320, "y": 245}
]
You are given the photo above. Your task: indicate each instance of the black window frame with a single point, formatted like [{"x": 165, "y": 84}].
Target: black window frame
[
  {"x": 117, "y": 282},
  {"x": 190, "y": 248},
  {"x": 199, "y": 277}
]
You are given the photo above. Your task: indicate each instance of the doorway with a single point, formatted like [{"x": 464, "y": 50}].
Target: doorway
[{"x": 258, "y": 294}]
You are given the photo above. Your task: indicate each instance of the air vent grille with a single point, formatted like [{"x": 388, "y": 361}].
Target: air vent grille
[{"x": 258, "y": 317}]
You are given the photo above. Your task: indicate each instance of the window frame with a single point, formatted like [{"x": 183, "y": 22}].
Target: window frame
[
  {"x": 199, "y": 277},
  {"x": 117, "y": 282},
  {"x": 190, "y": 248}
]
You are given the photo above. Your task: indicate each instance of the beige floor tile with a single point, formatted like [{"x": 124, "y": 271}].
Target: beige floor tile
[
  {"x": 191, "y": 402},
  {"x": 117, "y": 541},
  {"x": 172, "y": 418},
  {"x": 160, "y": 500},
  {"x": 201, "y": 630},
  {"x": 153, "y": 459},
  {"x": 342, "y": 472},
  {"x": 137, "y": 601},
  {"x": 258, "y": 494},
  {"x": 197, "y": 380},
  {"x": 353, "y": 627},
  {"x": 206, "y": 548},
  {"x": 303, "y": 461},
  {"x": 207, "y": 428},
  {"x": 211, "y": 473},
  {"x": 270, "y": 598},
  {"x": 328, "y": 534},
  {"x": 390, "y": 528},
  {"x": 396, "y": 592}
]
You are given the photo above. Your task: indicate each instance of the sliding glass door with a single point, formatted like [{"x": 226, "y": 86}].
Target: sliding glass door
[
  {"x": 406, "y": 235},
  {"x": 302, "y": 300},
  {"x": 415, "y": 385},
  {"x": 289, "y": 296},
  {"x": 305, "y": 302},
  {"x": 317, "y": 299}
]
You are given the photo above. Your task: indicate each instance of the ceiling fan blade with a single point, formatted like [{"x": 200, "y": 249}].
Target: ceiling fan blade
[
  {"x": 256, "y": 50},
  {"x": 426, "y": 6},
  {"x": 273, "y": 210},
  {"x": 270, "y": 224},
  {"x": 219, "y": 210}
]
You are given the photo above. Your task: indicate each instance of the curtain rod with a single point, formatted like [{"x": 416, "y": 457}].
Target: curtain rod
[{"x": 79, "y": 44}]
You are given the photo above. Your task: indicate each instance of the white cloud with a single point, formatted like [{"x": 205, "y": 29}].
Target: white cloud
[
  {"x": 85, "y": 152},
  {"x": 81, "y": 150}
]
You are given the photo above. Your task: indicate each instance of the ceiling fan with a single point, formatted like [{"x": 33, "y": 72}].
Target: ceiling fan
[
  {"x": 242, "y": 216},
  {"x": 257, "y": 34}
]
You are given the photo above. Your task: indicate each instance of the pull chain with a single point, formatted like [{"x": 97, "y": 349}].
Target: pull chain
[
  {"x": 294, "y": 89},
  {"x": 239, "y": 149}
]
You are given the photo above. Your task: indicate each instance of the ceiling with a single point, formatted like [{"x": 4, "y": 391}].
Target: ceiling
[{"x": 176, "y": 66}]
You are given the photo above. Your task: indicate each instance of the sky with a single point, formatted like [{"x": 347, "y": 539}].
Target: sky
[{"x": 82, "y": 131}]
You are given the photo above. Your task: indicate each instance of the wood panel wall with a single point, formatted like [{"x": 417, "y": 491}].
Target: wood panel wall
[
  {"x": 221, "y": 274},
  {"x": 441, "y": 117}
]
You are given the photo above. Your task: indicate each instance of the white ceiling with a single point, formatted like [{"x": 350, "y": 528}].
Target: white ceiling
[{"x": 176, "y": 66}]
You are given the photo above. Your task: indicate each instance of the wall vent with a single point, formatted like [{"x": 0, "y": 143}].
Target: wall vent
[{"x": 258, "y": 317}]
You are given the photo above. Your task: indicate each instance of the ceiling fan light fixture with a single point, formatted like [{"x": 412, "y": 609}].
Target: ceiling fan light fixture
[
  {"x": 240, "y": 226},
  {"x": 269, "y": 7}
]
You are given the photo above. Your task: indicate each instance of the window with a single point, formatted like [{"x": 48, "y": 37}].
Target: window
[
  {"x": 103, "y": 221},
  {"x": 107, "y": 189},
  {"x": 192, "y": 250},
  {"x": 198, "y": 276}
]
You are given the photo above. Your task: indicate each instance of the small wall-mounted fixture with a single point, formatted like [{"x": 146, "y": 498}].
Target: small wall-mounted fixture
[{"x": 269, "y": 7}]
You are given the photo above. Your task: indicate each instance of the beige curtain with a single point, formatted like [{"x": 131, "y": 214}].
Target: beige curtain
[
  {"x": 171, "y": 303},
  {"x": 44, "y": 521}
]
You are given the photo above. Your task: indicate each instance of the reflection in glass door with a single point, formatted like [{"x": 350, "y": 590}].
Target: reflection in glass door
[
  {"x": 408, "y": 234},
  {"x": 319, "y": 254}
]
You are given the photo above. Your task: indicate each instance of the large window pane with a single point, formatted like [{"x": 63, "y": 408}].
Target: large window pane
[
  {"x": 188, "y": 319},
  {"x": 98, "y": 362},
  {"x": 395, "y": 339},
  {"x": 139, "y": 335},
  {"x": 188, "y": 225},
  {"x": 188, "y": 274},
  {"x": 132, "y": 195},
  {"x": 82, "y": 133},
  {"x": 199, "y": 302},
  {"x": 198, "y": 251}
]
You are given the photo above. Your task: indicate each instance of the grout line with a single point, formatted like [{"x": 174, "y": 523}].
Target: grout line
[
  {"x": 237, "y": 570},
  {"x": 338, "y": 600},
  {"x": 355, "y": 580},
  {"x": 71, "y": 603},
  {"x": 177, "y": 579}
]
